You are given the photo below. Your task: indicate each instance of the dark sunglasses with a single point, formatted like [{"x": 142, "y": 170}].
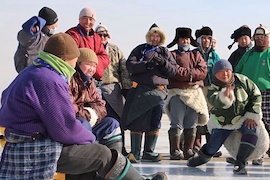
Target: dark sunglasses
[{"x": 104, "y": 35}]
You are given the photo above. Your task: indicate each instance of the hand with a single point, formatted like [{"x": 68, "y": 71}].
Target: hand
[
  {"x": 150, "y": 65},
  {"x": 124, "y": 92},
  {"x": 35, "y": 28},
  {"x": 229, "y": 89},
  {"x": 251, "y": 124},
  {"x": 160, "y": 60}
]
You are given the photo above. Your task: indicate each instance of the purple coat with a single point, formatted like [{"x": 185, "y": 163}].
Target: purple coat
[{"x": 38, "y": 101}]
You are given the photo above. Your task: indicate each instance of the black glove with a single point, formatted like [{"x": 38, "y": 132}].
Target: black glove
[
  {"x": 150, "y": 65},
  {"x": 124, "y": 92},
  {"x": 160, "y": 60}
]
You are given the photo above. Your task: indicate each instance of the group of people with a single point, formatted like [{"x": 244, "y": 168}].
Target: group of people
[{"x": 76, "y": 94}]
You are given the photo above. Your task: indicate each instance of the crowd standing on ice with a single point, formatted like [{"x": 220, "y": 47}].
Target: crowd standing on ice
[{"x": 76, "y": 94}]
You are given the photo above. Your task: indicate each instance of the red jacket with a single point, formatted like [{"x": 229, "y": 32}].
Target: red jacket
[{"x": 93, "y": 42}]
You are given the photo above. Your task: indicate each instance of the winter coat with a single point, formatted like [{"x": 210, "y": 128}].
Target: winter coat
[
  {"x": 191, "y": 70},
  {"x": 30, "y": 44},
  {"x": 158, "y": 75},
  {"x": 256, "y": 66},
  {"x": 237, "y": 54},
  {"x": 231, "y": 113},
  {"x": 86, "y": 100},
  {"x": 92, "y": 41}
]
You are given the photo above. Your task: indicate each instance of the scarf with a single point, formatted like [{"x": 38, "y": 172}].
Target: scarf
[
  {"x": 223, "y": 84},
  {"x": 57, "y": 64},
  {"x": 84, "y": 77}
]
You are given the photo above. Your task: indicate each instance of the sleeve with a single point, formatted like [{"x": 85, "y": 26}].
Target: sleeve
[
  {"x": 240, "y": 65},
  {"x": 199, "y": 71},
  {"x": 53, "y": 104},
  {"x": 170, "y": 68},
  {"x": 123, "y": 72}
]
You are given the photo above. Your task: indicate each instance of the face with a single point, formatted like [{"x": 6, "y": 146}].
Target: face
[
  {"x": 206, "y": 41},
  {"x": 260, "y": 39},
  {"x": 155, "y": 38},
  {"x": 88, "y": 68},
  {"x": 243, "y": 41},
  {"x": 184, "y": 41},
  {"x": 224, "y": 75},
  {"x": 104, "y": 37},
  {"x": 214, "y": 43},
  {"x": 72, "y": 62},
  {"x": 87, "y": 23}
]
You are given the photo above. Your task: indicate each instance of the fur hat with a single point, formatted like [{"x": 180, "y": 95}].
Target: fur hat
[
  {"x": 49, "y": 15},
  {"x": 152, "y": 29},
  {"x": 243, "y": 30},
  {"x": 182, "y": 32},
  {"x": 88, "y": 12},
  {"x": 222, "y": 64},
  {"x": 63, "y": 46},
  {"x": 102, "y": 28},
  {"x": 205, "y": 30},
  {"x": 87, "y": 54}
]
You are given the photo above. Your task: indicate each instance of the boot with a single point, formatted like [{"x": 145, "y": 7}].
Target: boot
[
  {"x": 121, "y": 168},
  {"x": 246, "y": 148},
  {"x": 199, "y": 159},
  {"x": 124, "y": 151},
  {"x": 136, "y": 142},
  {"x": 174, "y": 138},
  {"x": 115, "y": 143},
  {"x": 149, "y": 147},
  {"x": 189, "y": 136},
  {"x": 198, "y": 140}
]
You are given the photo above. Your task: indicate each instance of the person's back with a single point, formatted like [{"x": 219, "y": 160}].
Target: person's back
[{"x": 33, "y": 36}]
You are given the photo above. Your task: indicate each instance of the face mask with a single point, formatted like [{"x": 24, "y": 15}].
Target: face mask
[
  {"x": 184, "y": 47},
  {"x": 52, "y": 31}
]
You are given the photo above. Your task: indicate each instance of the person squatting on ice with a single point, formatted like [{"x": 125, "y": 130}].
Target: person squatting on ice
[{"x": 235, "y": 119}]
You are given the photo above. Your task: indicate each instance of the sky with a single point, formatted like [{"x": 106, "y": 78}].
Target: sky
[{"x": 129, "y": 20}]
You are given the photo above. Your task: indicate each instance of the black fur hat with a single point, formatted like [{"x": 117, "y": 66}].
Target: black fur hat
[
  {"x": 182, "y": 32},
  {"x": 205, "y": 30},
  {"x": 243, "y": 30}
]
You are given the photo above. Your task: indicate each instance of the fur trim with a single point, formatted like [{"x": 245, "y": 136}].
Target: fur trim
[
  {"x": 233, "y": 141},
  {"x": 151, "y": 31},
  {"x": 94, "y": 116},
  {"x": 227, "y": 101},
  {"x": 192, "y": 97}
]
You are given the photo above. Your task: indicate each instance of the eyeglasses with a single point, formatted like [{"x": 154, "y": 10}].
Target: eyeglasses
[{"x": 103, "y": 35}]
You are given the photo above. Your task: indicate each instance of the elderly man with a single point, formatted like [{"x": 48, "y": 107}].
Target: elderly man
[
  {"x": 85, "y": 37},
  {"x": 254, "y": 64}
]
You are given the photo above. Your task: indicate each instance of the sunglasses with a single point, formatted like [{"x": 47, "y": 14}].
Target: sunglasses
[{"x": 104, "y": 35}]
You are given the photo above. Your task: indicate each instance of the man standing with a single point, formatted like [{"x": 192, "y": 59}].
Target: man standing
[
  {"x": 255, "y": 65},
  {"x": 85, "y": 37}
]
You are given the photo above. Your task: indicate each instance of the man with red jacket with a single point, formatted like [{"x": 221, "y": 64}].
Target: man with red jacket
[{"x": 85, "y": 37}]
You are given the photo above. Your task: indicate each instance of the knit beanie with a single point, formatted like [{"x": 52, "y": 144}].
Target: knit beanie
[
  {"x": 88, "y": 12},
  {"x": 87, "y": 54},
  {"x": 49, "y": 15},
  {"x": 221, "y": 64},
  {"x": 102, "y": 28},
  {"x": 63, "y": 46}
]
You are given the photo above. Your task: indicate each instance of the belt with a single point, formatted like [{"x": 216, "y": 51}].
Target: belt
[
  {"x": 135, "y": 84},
  {"x": 20, "y": 139}
]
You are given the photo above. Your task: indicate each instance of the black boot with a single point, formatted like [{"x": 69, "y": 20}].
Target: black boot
[
  {"x": 189, "y": 136},
  {"x": 149, "y": 147},
  {"x": 246, "y": 148},
  {"x": 174, "y": 138},
  {"x": 136, "y": 143},
  {"x": 199, "y": 159}
]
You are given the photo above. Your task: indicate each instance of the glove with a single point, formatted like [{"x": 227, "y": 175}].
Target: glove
[
  {"x": 124, "y": 92},
  {"x": 150, "y": 65},
  {"x": 160, "y": 60}
]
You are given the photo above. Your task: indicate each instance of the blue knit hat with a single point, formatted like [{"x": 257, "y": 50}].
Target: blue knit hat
[{"x": 222, "y": 64}]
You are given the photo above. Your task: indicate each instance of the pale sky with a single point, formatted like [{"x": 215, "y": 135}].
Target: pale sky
[{"x": 129, "y": 20}]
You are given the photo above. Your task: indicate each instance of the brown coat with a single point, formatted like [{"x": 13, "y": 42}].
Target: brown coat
[
  {"x": 83, "y": 96},
  {"x": 192, "y": 70}
]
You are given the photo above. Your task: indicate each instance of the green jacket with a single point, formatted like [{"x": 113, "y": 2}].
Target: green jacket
[
  {"x": 246, "y": 98},
  {"x": 256, "y": 66}
]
